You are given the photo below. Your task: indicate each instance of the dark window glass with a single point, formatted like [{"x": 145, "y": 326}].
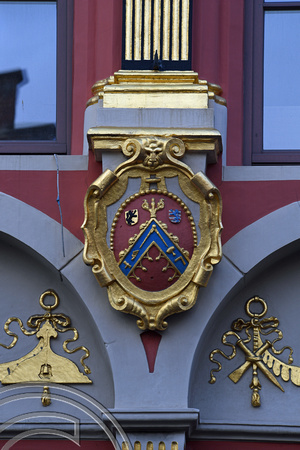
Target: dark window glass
[
  {"x": 28, "y": 70},
  {"x": 35, "y": 53},
  {"x": 281, "y": 101},
  {"x": 272, "y": 90}
]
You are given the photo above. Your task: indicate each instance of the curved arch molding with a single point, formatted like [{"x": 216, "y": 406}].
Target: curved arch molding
[
  {"x": 262, "y": 259},
  {"x": 38, "y": 231},
  {"x": 170, "y": 387},
  {"x": 31, "y": 262}
]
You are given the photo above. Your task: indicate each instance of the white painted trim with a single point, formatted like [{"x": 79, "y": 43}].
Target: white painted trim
[
  {"x": 80, "y": 163},
  {"x": 261, "y": 173},
  {"x": 43, "y": 162}
]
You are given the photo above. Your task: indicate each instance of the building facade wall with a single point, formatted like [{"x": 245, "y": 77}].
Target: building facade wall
[{"x": 261, "y": 244}]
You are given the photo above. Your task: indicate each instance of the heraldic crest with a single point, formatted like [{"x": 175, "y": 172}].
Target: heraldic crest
[
  {"x": 261, "y": 333},
  {"x": 152, "y": 230}
]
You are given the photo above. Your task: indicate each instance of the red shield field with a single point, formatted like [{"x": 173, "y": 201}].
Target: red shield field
[{"x": 153, "y": 240}]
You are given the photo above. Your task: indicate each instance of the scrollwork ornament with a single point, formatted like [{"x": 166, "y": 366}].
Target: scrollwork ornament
[
  {"x": 132, "y": 148},
  {"x": 42, "y": 363},
  {"x": 175, "y": 148},
  {"x": 127, "y": 304}
]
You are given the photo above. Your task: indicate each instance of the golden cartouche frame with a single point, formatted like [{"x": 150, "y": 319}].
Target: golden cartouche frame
[{"x": 148, "y": 155}]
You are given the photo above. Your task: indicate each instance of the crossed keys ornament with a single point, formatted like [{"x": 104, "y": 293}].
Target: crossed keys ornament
[{"x": 260, "y": 357}]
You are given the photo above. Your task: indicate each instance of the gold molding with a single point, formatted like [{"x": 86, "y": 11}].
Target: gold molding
[
  {"x": 155, "y": 89},
  {"x": 204, "y": 140},
  {"x": 155, "y": 77},
  {"x": 151, "y": 159}
]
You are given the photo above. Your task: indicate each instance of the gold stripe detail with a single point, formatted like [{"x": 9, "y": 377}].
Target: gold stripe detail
[
  {"x": 128, "y": 38},
  {"x": 133, "y": 32},
  {"x": 156, "y": 27},
  {"x": 175, "y": 29},
  {"x": 166, "y": 30},
  {"x": 164, "y": 77},
  {"x": 138, "y": 29},
  {"x": 185, "y": 29},
  {"x": 147, "y": 29}
]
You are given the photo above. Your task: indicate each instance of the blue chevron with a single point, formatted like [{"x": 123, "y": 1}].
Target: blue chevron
[{"x": 153, "y": 234}]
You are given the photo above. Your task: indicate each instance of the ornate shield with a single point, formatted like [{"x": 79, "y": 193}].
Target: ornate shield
[{"x": 152, "y": 231}]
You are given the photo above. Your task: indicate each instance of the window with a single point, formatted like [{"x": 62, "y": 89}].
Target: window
[
  {"x": 272, "y": 90},
  {"x": 35, "y": 92}
]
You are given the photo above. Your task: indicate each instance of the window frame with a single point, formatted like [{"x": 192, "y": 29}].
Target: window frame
[
  {"x": 63, "y": 93},
  {"x": 253, "y": 85}
]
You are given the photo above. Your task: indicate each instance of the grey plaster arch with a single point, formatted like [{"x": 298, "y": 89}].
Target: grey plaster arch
[
  {"x": 262, "y": 259},
  {"x": 31, "y": 262},
  {"x": 36, "y": 230},
  {"x": 168, "y": 387}
]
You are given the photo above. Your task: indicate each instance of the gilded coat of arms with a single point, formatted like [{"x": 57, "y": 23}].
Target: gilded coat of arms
[{"x": 152, "y": 231}]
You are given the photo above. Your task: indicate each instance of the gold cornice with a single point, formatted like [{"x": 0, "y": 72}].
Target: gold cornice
[
  {"x": 219, "y": 100},
  {"x": 93, "y": 100},
  {"x": 215, "y": 88},
  {"x": 153, "y": 76},
  {"x": 97, "y": 90},
  {"x": 98, "y": 87},
  {"x": 204, "y": 140},
  {"x": 164, "y": 87},
  {"x": 155, "y": 89},
  {"x": 214, "y": 92}
]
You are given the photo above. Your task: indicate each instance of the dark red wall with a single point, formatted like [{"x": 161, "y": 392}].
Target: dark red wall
[
  {"x": 97, "y": 47},
  {"x": 217, "y": 56}
]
